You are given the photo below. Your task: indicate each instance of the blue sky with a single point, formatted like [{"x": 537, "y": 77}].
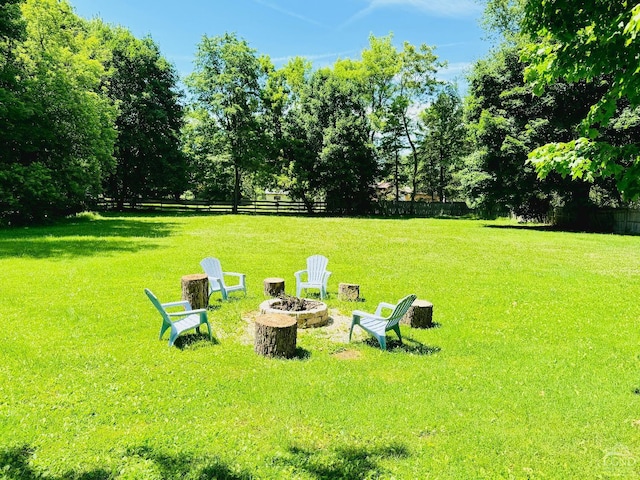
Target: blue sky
[{"x": 320, "y": 30}]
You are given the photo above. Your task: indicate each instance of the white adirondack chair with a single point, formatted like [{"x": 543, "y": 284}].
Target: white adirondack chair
[
  {"x": 213, "y": 269},
  {"x": 180, "y": 321},
  {"x": 378, "y": 325},
  {"x": 315, "y": 276}
]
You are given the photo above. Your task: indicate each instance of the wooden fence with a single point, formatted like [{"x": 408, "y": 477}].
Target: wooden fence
[
  {"x": 266, "y": 207},
  {"x": 256, "y": 207},
  {"x": 626, "y": 220}
]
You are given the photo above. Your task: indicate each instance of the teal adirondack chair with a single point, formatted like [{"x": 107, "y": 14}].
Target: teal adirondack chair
[
  {"x": 186, "y": 319},
  {"x": 316, "y": 275},
  {"x": 213, "y": 269},
  {"x": 377, "y": 325}
]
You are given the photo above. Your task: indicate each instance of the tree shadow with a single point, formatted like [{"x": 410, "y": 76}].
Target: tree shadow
[
  {"x": 15, "y": 464},
  {"x": 535, "y": 227},
  {"x": 350, "y": 463},
  {"x": 185, "y": 466},
  {"x": 82, "y": 237},
  {"x": 143, "y": 462}
]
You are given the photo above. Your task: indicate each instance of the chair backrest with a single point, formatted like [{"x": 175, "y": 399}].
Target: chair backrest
[
  {"x": 398, "y": 312},
  {"x": 316, "y": 266},
  {"x": 157, "y": 304},
  {"x": 212, "y": 268}
]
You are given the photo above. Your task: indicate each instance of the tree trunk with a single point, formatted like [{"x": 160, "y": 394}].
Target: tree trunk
[
  {"x": 236, "y": 188},
  {"x": 349, "y": 292},
  {"x": 419, "y": 315},
  {"x": 195, "y": 289},
  {"x": 414, "y": 153},
  {"x": 276, "y": 335},
  {"x": 273, "y": 286}
]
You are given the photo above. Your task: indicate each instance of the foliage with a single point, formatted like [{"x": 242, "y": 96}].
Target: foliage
[
  {"x": 443, "y": 144},
  {"x": 593, "y": 43},
  {"x": 143, "y": 84},
  {"x": 549, "y": 384},
  {"x": 396, "y": 85},
  {"x": 59, "y": 142},
  {"x": 328, "y": 145},
  {"x": 508, "y": 121},
  {"x": 227, "y": 92}
]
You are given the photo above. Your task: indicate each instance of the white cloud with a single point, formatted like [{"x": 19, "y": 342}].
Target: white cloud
[
  {"x": 444, "y": 8},
  {"x": 315, "y": 57},
  {"x": 289, "y": 13},
  {"x": 453, "y": 70}
]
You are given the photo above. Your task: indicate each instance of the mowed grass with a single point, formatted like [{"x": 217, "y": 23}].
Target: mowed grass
[{"x": 533, "y": 371}]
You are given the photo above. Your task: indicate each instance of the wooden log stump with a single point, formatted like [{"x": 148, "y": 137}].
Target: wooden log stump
[
  {"x": 273, "y": 287},
  {"x": 276, "y": 335},
  {"x": 349, "y": 292},
  {"x": 419, "y": 315},
  {"x": 195, "y": 289}
]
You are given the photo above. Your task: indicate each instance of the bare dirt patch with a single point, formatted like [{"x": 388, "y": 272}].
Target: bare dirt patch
[{"x": 348, "y": 355}]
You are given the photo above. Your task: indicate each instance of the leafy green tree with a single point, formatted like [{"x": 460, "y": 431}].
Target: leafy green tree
[
  {"x": 12, "y": 109},
  {"x": 331, "y": 155},
  {"x": 396, "y": 85},
  {"x": 143, "y": 84},
  {"x": 62, "y": 126},
  {"x": 227, "y": 91},
  {"x": 594, "y": 42},
  {"x": 443, "y": 142},
  {"x": 508, "y": 121}
]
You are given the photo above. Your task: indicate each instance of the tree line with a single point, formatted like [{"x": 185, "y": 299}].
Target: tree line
[{"x": 550, "y": 118}]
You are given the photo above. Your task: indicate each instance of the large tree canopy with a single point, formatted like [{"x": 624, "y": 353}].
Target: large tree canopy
[
  {"x": 143, "y": 85},
  {"x": 227, "y": 99},
  {"x": 62, "y": 133},
  {"x": 597, "y": 42}
]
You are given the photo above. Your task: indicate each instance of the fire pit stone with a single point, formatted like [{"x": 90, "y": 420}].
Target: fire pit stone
[{"x": 315, "y": 313}]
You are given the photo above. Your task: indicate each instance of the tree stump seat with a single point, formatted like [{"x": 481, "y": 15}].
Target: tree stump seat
[
  {"x": 195, "y": 289},
  {"x": 273, "y": 286},
  {"x": 276, "y": 335},
  {"x": 419, "y": 315},
  {"x": 349, "y": 291}
]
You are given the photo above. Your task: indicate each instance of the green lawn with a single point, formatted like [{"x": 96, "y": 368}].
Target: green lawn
[{"x": 533, "y": 372}]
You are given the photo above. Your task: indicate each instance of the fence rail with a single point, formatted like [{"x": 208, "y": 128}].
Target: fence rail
[
  {"x": 264, "y": 207},
  {"x": 267, "y": 207}
]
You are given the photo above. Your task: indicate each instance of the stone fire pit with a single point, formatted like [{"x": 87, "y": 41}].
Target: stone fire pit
[{"x": 314, "y": 314}]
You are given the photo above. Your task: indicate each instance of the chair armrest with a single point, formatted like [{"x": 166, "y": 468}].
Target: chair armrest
[
  {"x": 187, "y": 312},
  {"x": 361, "y": 314},
  {"x": 234, "y": 274},
  {"x": 180, "y": 303},
  {"x": 299, "y": 273},
  {"x": 326, "y": 275},
  {"x": 383, "y": 305}
]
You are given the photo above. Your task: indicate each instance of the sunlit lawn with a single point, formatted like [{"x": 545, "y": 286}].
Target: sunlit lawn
[{"x": 533, "y": 371}]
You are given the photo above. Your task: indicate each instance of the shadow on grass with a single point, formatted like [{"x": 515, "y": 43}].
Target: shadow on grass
[
  {"x": 195, "y": 340},
  {"x": 139, "y": 462},
  {"x": 302, "y": 354},
  {"x": 348, "y": 463},
  {"x": 408, "y": 345},
  {"x": 185, "y": 466},
  {"x": 536, "y": 227},
  {"x": 15, "y": 464},
  {"x": 81, "y": 237}
]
